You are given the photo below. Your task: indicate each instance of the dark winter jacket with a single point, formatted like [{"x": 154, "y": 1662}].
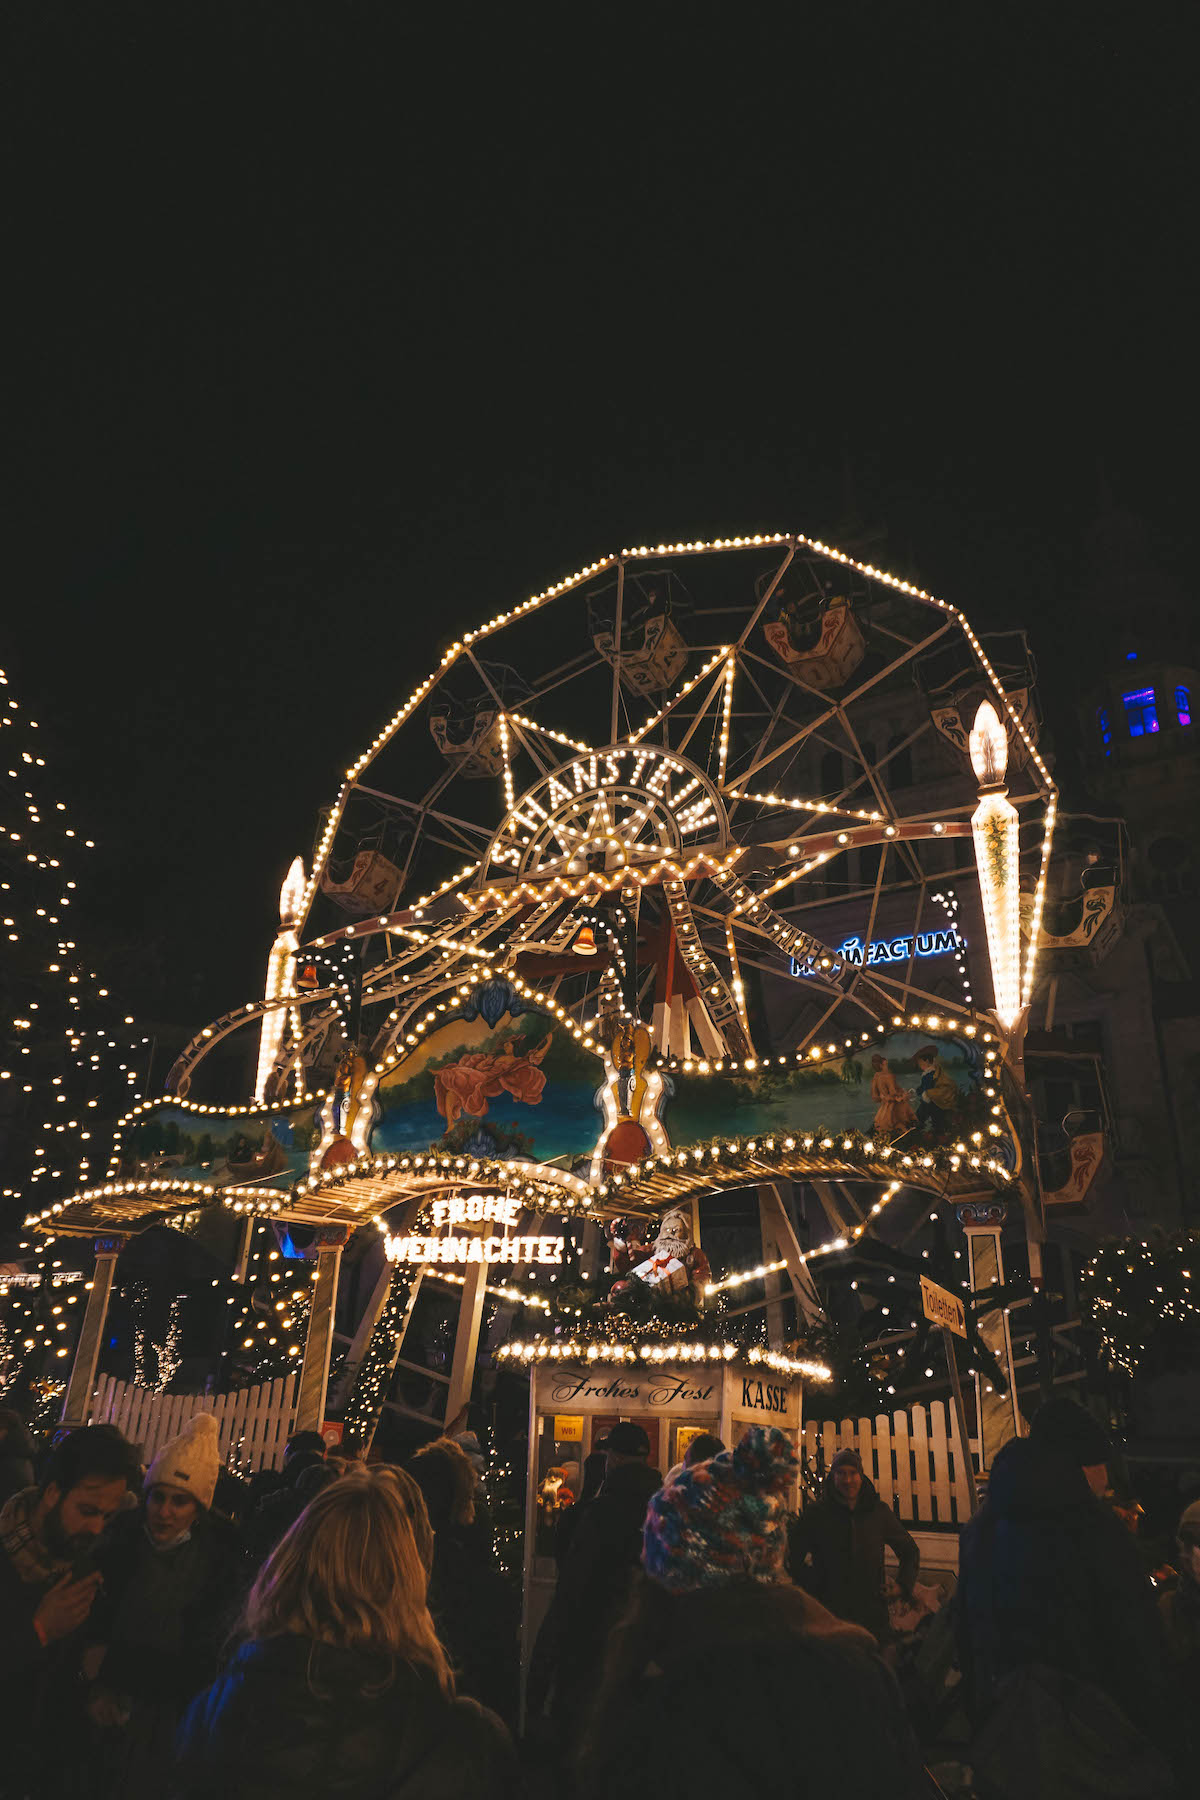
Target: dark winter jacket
[
  {"x": 164, "y": 1615},
  {"x": 594, "y": 1582},
  {"x": 268, "y": 1522},
  {"x": 1179, "y": 1611},
  {"x": 289, "y": 1717},
  {"x": 477, "y": 1615},
  {"x": 846, "y": 1546},
  {"x": 748, "y": 1690},
  {"x": 1048, "y": 1575},
  {"x": 40, "y": 1710}
]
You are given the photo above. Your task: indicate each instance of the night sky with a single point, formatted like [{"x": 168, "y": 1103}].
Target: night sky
[{"x": 336, "y": 329}]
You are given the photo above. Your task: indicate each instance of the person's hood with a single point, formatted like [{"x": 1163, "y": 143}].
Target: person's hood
[
  {"x": 342, "y": 1672},
  {"x": 868, "y": 1496},
  {"x": 286, "y": 1699},
  {"x": 1029, "y": 1481},
  {"x": 299, "y": 1463},
  {"x": 471, "y": 1448}
]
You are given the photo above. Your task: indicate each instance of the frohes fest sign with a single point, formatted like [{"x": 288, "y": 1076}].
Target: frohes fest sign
[
  {"x": 729, "y": 1395},
  {"x": 501, "y": 1245}
]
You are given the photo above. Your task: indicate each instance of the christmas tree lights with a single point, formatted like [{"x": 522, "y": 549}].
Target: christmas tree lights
[
  {"x": 1136, "y": 1291},
  {"x": 41, "y": 1310},
  {"x": 271, "y": 1310},
  {"x": 68, "y": 1058}
]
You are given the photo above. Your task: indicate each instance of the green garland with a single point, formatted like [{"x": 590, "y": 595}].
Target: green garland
[{"x": 361, "y": 1414}]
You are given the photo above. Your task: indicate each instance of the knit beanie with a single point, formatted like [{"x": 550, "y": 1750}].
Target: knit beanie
[
  {"x": 191, "y": 1462},
  {"x": 846, "y": 1459},
  {"x": 1062, "y": 1424},
  {"x": 724, "y": 1518}
]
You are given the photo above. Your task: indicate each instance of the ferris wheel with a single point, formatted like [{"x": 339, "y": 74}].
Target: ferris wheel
[{"x": 721, "y": 792}]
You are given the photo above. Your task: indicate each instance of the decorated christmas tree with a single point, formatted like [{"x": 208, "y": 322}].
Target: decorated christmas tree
[{"x": 69, "y": 1057}]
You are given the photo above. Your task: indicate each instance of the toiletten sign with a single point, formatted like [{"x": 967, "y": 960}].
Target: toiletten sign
[{"x": 942, "y": 1307}]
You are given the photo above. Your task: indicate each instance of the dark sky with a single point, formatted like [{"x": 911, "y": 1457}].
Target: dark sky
[{"x": 336, "y": 328}]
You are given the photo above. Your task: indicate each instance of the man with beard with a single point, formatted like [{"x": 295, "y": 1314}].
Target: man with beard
[{"x": 47, "y": 1588}]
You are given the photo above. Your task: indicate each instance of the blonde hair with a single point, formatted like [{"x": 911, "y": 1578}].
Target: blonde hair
[{"x": 349, "y": 1574}]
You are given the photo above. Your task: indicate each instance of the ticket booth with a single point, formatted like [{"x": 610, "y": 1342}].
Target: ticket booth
[{"x": 573, "y": 1405}]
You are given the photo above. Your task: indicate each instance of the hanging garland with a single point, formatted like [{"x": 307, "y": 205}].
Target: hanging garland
[
  {"x": 504, "y": 1488},
  {"x": 168, "y": 1354},
  {"x": 1135, "y": 1291},
  {"x": 365, "y": 1403}
]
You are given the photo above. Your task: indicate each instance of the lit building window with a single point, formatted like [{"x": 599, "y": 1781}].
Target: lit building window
[
  {"x": 1105, "y": 730},
  {"x": 1141, "y": 712},
  {"x": 1183, "y": 706}
]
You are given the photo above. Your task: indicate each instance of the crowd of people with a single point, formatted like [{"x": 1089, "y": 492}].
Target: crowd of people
[{"x": 346, "y": 1630}]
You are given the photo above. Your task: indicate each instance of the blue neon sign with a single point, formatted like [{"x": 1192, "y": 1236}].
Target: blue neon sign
[{"x": 946, "y": 942}]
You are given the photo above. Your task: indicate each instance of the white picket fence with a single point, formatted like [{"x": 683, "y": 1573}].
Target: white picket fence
[
  {"x": 253, "y": 1424},
  {"x": 913, "y": 1458}
]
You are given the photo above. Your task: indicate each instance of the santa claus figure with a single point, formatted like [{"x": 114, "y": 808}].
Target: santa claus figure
[{"x": 674, "y": 1265}]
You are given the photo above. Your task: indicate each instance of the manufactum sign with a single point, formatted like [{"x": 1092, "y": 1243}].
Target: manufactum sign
[
  {"x": 886, "y": 950},
  {"x": 499, "y": 1246}
]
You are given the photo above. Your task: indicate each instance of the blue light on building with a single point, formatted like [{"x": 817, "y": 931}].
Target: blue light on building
[{"x": 1141, "y": 712}]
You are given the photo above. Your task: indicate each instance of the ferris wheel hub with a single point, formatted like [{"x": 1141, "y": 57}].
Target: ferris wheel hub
[{"x": 626, "y": 806}]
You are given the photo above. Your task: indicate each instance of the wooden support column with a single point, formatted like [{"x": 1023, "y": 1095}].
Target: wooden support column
[
  {"x": 364, "y": 1334},
  {"x": 771, "y": 1252},
  {"x": 314, "y": 1374},
  {"x": 77, "y": 1404},
  {"x": 241, "y": 1263},
  {"x": 466, "y": 1342},
  {"x": 998, "y": 1415},
  {"x": 776, "y": 1228},
  {"x": 397, "y": 1343}
]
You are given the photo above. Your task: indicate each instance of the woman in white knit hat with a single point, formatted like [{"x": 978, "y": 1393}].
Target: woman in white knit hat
[{"x": 170, "y": 1590}]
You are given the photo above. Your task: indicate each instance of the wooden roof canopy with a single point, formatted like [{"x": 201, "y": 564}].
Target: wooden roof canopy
[{"x": 356, "y": 1193}]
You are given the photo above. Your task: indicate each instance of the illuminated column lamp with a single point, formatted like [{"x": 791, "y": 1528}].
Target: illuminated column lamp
[
  {"x": 281, "y": 968},
  {"x": 995, "y": 828}
]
